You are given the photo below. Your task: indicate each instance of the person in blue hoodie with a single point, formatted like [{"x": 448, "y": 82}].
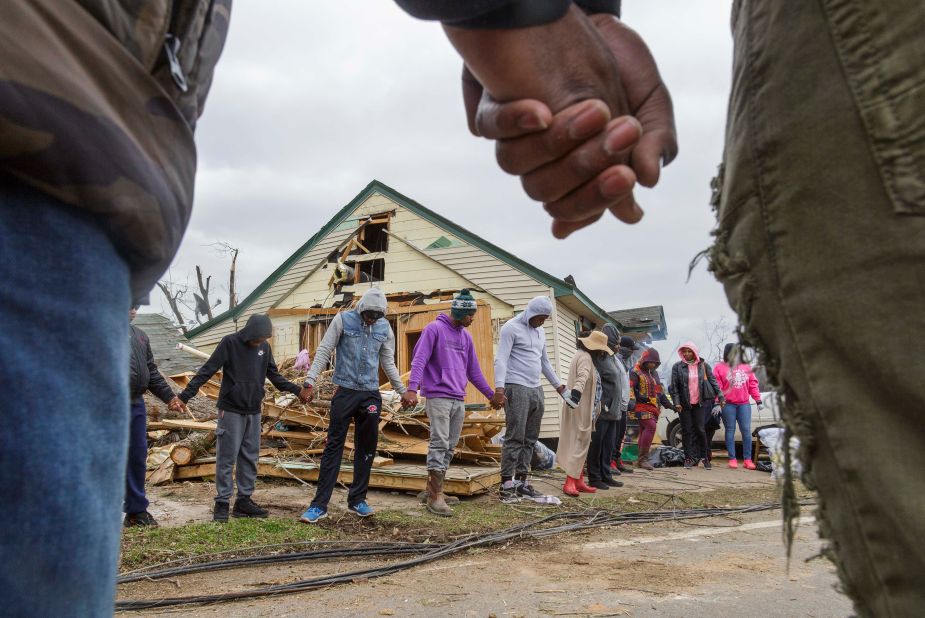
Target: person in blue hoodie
[
  {"x": 245, "y": 360},
  {"x": 363, "y": 341},
  {"x": 519, "y": 361}
]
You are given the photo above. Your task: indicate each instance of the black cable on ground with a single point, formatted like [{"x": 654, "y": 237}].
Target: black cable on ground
[
  {"x": 574, "y": 521},
  {"x": 230, "y": 563}
]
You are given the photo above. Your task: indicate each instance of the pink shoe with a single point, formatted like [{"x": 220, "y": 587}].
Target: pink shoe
[
  {"x": 749, "y": 464},
  {"x": 734, "y": 464}
]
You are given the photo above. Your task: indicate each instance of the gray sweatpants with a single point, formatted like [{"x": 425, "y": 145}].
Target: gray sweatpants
[
  {"x": 446, "y": 421},
  {"x": 523, "y": 414},
  {"x": 237, "y": 440}
]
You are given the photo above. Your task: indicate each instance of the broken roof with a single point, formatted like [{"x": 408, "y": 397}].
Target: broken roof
[
  {"x": 649, "y": 320},
  {"x": 560, "y": 288},
  {"x": 164, "y": 336}
]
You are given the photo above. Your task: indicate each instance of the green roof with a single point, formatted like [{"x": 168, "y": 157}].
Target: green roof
[{"x": 560, "y": 287}]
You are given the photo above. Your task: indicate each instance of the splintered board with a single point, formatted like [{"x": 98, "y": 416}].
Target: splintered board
[{"x": 401, "y": 476}]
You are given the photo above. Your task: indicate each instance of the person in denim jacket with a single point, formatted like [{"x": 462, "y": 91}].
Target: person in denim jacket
[{"x": 363, "y": 341}]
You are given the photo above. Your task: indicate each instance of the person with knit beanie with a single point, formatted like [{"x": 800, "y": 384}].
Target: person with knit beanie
[{"x": 443, "y": 365}]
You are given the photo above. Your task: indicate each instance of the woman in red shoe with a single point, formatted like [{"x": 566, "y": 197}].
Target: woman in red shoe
[
  {"x": 738, "y": 382},
  {"x": 649, "y": 393},
  {"x": 578, "y": 412}
]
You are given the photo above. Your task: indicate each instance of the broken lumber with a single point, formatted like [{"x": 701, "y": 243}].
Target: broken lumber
[{"x": 191, "y": 447}]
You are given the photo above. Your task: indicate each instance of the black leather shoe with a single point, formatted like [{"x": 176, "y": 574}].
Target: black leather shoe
[
  {"x": 245, "y": 507},
  {"x": 614, "y": 482},
  {"x": 139, "y": 519},
  {"x": 220, "y": 512},
  {"x": 599, "y": 485}
]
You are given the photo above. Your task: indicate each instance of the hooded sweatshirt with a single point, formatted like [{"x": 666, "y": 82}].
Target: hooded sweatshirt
[
  {"x": 445, "y": 362},
  {"x": 521, "y": 355},
  {"x": 738, "y": 382},
  {"x": 692, "y": 382},
  {"x": 647, "y": 388},
  {"x": 244, "y": 369},
  {"x": 358, "y": 365}
]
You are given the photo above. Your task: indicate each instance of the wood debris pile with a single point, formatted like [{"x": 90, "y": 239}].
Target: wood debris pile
[{"x": 294, "y": 434}]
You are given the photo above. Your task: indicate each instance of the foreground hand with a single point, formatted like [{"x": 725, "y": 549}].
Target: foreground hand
[
  {"x": 677, "y": 409},
  {"x": 579, "y": 162},
  {"x": 409, "y": 399},
  {"x": 560, "y": 389},
  {"x": 306, "y": 394},
  {"x": 176, "y": 404}
]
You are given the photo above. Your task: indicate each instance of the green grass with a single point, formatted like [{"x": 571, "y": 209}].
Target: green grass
[
  {"x": 144, "y": 547},
  {"x": 147, "y": 546}
]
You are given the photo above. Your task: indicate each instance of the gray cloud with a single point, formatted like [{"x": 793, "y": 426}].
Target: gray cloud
[{"x": 311, "y": 101}]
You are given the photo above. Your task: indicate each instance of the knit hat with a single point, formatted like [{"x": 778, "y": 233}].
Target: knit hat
[
  {"x": 613, "y": 335},
  {"x": 627, "y": 342},
  {"x": 463, "y": 305}
]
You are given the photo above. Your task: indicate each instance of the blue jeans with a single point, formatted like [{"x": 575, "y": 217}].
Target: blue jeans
[
  {"x": 64, "y": 301},
  {"x": 741, "y": 413},
  {"x": 135, "y": 471}
]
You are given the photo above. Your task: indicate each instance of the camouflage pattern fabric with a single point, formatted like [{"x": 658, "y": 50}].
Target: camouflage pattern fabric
[{"x": 91, "y": 114}]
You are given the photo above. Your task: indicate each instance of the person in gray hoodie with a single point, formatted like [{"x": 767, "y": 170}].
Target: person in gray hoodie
[
  {"x": 363, "y": 341},
  {"x": 245, "y": 360},
  {"x": 519, "y": 361},
  {"x": 604, "y": 436},
  {"x": 623, "y": 355}
]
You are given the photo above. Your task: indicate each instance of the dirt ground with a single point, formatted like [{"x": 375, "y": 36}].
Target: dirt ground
[
  {"x": 188, "y": 502},
  {"x": 706, "y": 567}
]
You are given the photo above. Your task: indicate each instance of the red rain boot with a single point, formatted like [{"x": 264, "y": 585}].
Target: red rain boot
[
  {"x": 582, "y": 486},
  {"x": 570, "y": 489}
]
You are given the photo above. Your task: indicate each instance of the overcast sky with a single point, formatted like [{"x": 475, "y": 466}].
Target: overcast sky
[{"x": 313, "y": 100}]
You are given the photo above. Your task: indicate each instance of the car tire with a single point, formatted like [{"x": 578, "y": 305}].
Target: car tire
[{"x": 674, "y": 435}]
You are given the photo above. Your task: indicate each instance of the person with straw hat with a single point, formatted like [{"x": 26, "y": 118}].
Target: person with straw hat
[{"x": 579, "y": 410}]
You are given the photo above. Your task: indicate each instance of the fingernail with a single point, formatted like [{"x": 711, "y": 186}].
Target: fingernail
[
  {"x": 531, "y": 122},
  {"x": 616, "y": 184},
  {"x": 587, "y": 123},
  {"x": 622, "y": 136}
]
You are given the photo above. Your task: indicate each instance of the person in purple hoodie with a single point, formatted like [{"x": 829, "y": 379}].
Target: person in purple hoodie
[{"x": 444, "y": 363}]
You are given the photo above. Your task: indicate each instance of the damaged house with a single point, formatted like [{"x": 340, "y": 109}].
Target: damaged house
[{"x": 419, "y": 259}]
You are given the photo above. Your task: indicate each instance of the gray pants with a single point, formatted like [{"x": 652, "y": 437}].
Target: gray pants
[
  {"x": 523, "y": 414},
  {"x": 237, "y": 439},
  {"x": 446, "y": 421}
]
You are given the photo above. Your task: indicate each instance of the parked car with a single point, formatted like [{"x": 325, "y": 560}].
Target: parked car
[{"x": 668, "y": 428}]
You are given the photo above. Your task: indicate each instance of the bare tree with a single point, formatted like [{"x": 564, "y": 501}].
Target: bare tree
[
  {"x": 174, "y": 294},
  {"x": 716, "y": 334},
  {"x": 203, "y": 306},
  {"x": 226, "y": 249}
]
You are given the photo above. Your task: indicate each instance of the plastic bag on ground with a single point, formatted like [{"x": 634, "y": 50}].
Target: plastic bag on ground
[
  {"x": 773, "y": 438},
  {"x": 666, "y": 457},
  {"x": 543, "y": 457}
]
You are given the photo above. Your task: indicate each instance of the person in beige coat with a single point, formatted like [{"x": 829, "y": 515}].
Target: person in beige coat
[{"x": 578, "y": 411}]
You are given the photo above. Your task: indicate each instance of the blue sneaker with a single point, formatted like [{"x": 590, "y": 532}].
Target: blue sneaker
[
  {"x": 313, "y": 515},
  {"x": 362, "y": 509}
]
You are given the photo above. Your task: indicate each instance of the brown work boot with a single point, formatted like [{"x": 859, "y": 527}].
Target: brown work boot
[
  {"x": 435, "y": 502},
  {"x": 643, "y": 461},
  {"x": 422, "y": 498}
]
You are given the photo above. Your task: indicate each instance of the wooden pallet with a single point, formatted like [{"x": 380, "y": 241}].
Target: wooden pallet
[{"x": 400, "y": 476}]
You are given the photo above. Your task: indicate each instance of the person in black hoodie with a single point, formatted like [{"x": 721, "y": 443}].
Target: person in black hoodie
[
  {"x": 143, "y": 376},
  {"x": 693, "y": 389},
  {"x": 245, "y": 360}
]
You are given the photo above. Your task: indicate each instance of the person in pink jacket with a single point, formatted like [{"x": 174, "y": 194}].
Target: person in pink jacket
[{"x": 737, "y": 381}]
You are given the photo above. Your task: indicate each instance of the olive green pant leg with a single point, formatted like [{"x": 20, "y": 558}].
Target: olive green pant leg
[{"x": 821, "y": 250}]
